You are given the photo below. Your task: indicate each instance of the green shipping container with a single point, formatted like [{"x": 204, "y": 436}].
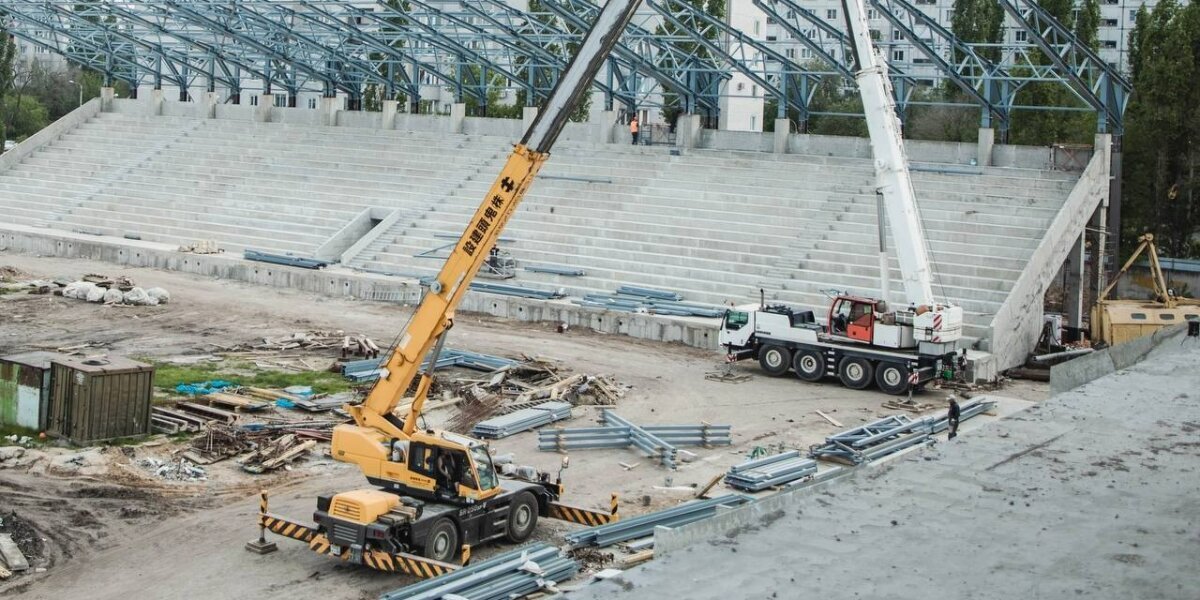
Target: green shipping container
[
  {"x": 100, "y": 399},
  {"x": 25, "y": 389}
]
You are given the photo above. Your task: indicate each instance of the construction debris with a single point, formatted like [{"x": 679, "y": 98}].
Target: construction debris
[
  {"x": 12, "y": 555},
  {"x": 276, "y": 453},
  {"x": 201, "y": 247},
  {"x": 832, "y": 421},
  {"x": 907, "y": 404},
  {"x": 174, "y": 470}
]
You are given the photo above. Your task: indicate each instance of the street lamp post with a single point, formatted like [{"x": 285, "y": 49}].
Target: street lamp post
[{"x": 80, "y": 90}]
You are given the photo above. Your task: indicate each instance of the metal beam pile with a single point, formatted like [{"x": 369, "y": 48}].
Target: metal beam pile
[
  {"x": 770, "y": 471},
  {"x": 508, "y": 289},
  {"x": 508, "y": 575},
  {"x": 630, "y": 298},
  {"x": 286, "y": 260},
  {"x": 522, "y": 420},
  {"x": 373, "y": 368},
  {"x": 643, "y": 525},
  {"x": 656, "y": 441},
  {"x": 889, "y": 435}
]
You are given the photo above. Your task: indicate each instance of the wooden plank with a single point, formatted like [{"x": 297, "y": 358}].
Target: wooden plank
[
  {"x": 832, "y": 421},
  {"x": 703, "y": 493},
  {"x": 637, "y": 558}
]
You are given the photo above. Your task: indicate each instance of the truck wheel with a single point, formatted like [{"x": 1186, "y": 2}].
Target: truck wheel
[
  {"x": 855, "y": 373},
  {"x": 892, "y": 378},
  {"x": 775, "y": 360},
  {"x": 809, "y": 365},
  {"x": 522, "y": 517},
  {"x": 442, "y": 543}
]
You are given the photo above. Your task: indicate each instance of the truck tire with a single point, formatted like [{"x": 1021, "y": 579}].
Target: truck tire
[
  {"x": 892, "y": 378},
  {"x": 856, "y": 373},
  {"x": 809, "y": 365},
  {"x": 522, "y": 518},
  {"x": 442, "y": 542},
  {"x": 775, "y": 360}
]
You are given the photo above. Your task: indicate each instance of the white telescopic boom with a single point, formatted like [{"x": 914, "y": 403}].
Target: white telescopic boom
[{"x": 891, "y": 166}]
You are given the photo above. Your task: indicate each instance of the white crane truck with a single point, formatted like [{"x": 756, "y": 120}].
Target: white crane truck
[{"x": 863, "y": 341}]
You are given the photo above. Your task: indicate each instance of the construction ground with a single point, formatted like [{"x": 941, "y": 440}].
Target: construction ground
[{"x": 1092, "y": 494}]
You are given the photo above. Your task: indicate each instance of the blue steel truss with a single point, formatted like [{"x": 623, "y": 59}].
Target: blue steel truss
[{"x": 394, "y": 48}]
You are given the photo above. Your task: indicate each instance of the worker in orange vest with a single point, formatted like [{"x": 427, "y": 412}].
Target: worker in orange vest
[{"x": 633, "y": 129}]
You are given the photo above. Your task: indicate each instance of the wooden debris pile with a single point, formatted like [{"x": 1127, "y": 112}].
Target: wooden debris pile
[
  {"x": 276, "y": 453},
  {"x": 524, "y": 385}
]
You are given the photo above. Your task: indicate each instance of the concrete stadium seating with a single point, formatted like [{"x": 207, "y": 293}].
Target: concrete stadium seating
[{"x": 715, "y": 226}]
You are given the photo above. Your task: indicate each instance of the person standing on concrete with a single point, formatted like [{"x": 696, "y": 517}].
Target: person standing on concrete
[
  {"x": 633, "y": 128},
  {"x": 952, "y": 418}
]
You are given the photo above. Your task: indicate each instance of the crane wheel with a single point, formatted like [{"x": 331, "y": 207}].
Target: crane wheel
[
  {"x": 522, "y": 518},
  {"x": 856, "y": 373},
  {"x": 809, "y": 365},
  {"x": 442, "y": 543},
  {"x": 892, "y": 378},
  {"x": 775, "y": 360}
]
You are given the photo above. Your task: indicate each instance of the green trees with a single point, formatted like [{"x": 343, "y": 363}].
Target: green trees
[{"x": 1162, "y": 130}]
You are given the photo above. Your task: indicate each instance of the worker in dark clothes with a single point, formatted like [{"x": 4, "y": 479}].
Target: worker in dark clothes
[{"x": 952, "y": 418}]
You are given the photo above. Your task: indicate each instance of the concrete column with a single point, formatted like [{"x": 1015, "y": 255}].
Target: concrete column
[
  {"x": 211, "y": 100},
  {"x": 606, "y": 122},
  {"x": 687, "y": 130},
  {"x": 156, "y": 103},
  {"x": 987, "y": 139},
  {"x": 262, "y": 112},
  {"x": 329, "y": 111},
  {"x": 783, "y": 128},
  {"x": 1073, "y": 284},
  {"x": 458, "y": 116},
  {"x": 528, "y": 114},
  {"x": 390, "y": 107},
  {"x": 107, "y": 95},
  {"x": 1108, "y": 217}
]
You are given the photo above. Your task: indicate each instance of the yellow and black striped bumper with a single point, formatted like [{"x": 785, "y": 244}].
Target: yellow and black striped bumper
[
  {"x": 583, "y": 516},
  {"x": 393, "y": 562}
]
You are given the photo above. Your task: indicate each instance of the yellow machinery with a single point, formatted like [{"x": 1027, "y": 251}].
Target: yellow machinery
[
  {"x": 1117, "y": 321},
  {"x": 437, "y": 492}
]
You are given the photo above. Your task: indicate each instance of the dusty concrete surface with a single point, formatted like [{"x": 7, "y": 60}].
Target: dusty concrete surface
[
  {"x": 115, "y": 533},
  {"x": 1091, "y": 494}
]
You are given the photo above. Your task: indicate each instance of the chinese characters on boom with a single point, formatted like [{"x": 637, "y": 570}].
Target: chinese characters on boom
[{"x": 487, "y": 219}]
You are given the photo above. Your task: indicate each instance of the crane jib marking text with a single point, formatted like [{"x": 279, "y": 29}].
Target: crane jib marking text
[{"x": 487, "y": 219}]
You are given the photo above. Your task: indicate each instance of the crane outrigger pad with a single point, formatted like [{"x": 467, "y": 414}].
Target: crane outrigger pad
[{"x": 393, "y": 562}]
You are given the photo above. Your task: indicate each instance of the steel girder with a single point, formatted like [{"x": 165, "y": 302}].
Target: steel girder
[
  {"x": 469, "y": 45},
  {"x": 831, "y": 46},
  {"x": 791, "y": 85},
  {"x": 657, "y": 56},
  {"x": 1092, "y": 79},
  {"x": 988, "y": 84}
]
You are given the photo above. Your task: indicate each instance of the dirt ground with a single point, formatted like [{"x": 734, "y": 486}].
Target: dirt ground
[{"x": 121, "y": 533}]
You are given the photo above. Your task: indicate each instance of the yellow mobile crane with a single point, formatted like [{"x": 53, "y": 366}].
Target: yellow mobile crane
[{"x": 437, "y": 492}]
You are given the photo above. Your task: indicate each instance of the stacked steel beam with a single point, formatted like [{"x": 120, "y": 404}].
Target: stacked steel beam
[
  {"x": 510, "y": 575},
  {"x": 889, "y": 435},
  {"x": 660, "y": 441},
  {"x": 769, "y": 471},
  {"x": 373, "y": 368},
  {"x": 643, "y": 525},
  {"x": 522, "y": 420}
]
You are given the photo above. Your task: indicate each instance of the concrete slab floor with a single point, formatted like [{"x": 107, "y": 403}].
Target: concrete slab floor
[{"x": 1091, "y": 494}]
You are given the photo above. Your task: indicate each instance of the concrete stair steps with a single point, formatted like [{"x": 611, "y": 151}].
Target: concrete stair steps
[
  {"x": 589, "y": 235},
  {"x": 584, "y": 256},
  {"x": 1006, "y": 256},
  {"x": 869, "y": 286},
  {"x": 261, "y": 219},
  {"x": 531, "y": 219},
  {"x": 1008, "y": 270},
  {"x": 229, "y": 240},
  {"x": 956, "y": 275},
  {"x": 194, "y": 221},
  {"x": 256, "y": 206}
]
